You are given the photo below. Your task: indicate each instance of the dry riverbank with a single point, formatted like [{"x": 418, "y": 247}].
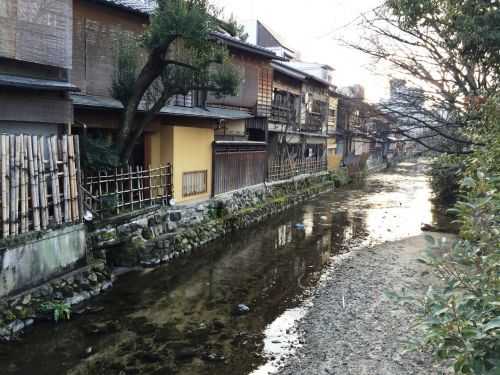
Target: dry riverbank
[{"x": 352, "y": 327}]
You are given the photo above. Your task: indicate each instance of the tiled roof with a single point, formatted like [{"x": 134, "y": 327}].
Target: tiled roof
[
  {"x": 289, "y": 72},
  {"x": 238, "y": 44},
  {"x": 140, "y": 6},
  {"x": 293, "y": 69},
  {"x": 35, "y": 83},
  {"x": 88, "y": 101}
]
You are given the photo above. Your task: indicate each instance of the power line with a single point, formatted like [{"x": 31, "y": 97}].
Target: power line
[{"x": 350, "y": 23}]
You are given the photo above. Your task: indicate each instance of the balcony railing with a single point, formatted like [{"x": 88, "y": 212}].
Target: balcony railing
[
  {"x": 284, "y": 113},
  {"x": 314, "y": 123},
  {"x": 332, "y": 130}
]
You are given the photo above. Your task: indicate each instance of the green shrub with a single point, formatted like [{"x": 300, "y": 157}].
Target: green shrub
[
  {"x": 460, "y": 321},
  {"x": 99, "y": 153},
  {"x": 445, "y": 175},
  {"x": 340, "y": 177}
]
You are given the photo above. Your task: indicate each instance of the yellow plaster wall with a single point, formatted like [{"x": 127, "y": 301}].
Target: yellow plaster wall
[
  {"x": 333, "y": 160},
  {"x": 192, "y": 152},
  {"x": 188, "y": 149}
]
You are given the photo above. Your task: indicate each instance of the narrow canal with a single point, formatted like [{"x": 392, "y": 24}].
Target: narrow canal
[{"x": 181, "y": 318}]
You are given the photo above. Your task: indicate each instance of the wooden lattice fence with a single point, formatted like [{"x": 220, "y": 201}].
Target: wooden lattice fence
[
  {"x": 121, "y": 190},
  {"x": 291, "y": 168},
  {"x": 39, "y": 183}
]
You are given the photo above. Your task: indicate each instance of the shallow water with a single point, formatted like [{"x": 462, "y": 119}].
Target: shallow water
[{"x": 180, "y": 318}]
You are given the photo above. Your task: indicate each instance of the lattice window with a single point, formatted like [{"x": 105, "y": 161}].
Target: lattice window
[{"x": 194, "y": 183}]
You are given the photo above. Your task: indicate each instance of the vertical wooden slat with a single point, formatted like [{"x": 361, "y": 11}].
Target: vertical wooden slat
[
  {"x": 78, "y": 175},
  {"x": 54, "y": 178},
  {"x": 99, "y": 189},
  {"x": 33, "y": 175},
  {"x": 67, "y": 207},
  {"x": 151, "y": 187},
  {"x": 17, "y": 178},
  {"x": 117, "y": 193},
  {"x": 44, "y": 209},
  {"x": 27, "y": 139},
  {"x": 139, "y": 184},
  {"x": 73, "y": 180},
  {"x": 131, "y": 188},
  {"x": 23, "y": 190},
  {"x": 4, "y": 185},
  {"x": 14, "y": 183}
]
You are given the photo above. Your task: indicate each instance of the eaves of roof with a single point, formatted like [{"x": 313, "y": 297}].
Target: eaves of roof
[
  {"x": 247, "y": 47},
  {"x": 134, "y": 6},
  {"x": 308, "y": 76},
  {"x": 214, "y": 113},
  {"x": 35, "y": 83},
  {"x": 289, "y": 72}
]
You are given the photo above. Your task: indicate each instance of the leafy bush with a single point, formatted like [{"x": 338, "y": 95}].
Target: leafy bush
[
  {"x": 340, "y": 177},
  {"x": 100, "y": 153},
  {"x": 460, "y": 321},
  {"x": 445, "y": 175}
]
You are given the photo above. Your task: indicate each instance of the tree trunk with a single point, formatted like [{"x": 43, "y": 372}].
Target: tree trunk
[
  {"x": 149, "y": 73},
  {"x": 138, "y": 129}
]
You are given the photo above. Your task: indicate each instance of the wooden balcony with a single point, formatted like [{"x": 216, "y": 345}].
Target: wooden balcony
[{"x": 314, "y": 123}]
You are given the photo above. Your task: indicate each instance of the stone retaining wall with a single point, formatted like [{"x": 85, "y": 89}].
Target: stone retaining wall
[
  {"x": 21, "y": 311},
  {"x": 158, "y": 236}
]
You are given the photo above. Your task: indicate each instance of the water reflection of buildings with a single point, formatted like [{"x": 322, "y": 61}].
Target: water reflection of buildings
[
  {"x": 308, "y": 221},
  {"x": 346, "y": 230},
  {"x": 284, "y": 236}
]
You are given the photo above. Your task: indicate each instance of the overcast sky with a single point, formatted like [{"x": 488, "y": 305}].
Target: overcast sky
[{"x": 311, "y": 26}]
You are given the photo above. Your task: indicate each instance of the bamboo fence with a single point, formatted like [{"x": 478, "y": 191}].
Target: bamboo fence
[
  {"x": 39, "y": 183},
  {"x": 113, "y": 192}
]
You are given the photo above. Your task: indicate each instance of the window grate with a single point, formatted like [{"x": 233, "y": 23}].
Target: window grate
[{"x": 194, "y": 183}]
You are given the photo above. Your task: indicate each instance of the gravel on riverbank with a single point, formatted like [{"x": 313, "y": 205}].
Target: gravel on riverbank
[{"x": 353, "y": 328}]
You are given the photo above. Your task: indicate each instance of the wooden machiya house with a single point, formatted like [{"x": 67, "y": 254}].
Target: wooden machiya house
[
  {"x": 360, "y": 132},
  {"x": 35, "y": 66},
  {"x": 214, "y": 144},
  {"x": 302, "y": 122}
]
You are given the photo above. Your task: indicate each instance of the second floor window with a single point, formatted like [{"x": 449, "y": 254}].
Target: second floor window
[{"x": 316, "y": 106}]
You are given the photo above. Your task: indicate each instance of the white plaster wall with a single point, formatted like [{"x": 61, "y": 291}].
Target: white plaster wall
[{"x": 37, "y": 261}]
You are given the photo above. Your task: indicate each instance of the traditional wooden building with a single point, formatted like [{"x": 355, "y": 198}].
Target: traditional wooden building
[
  {"x": 35, "y": 65},
  {"x": 302, "y": 112},
  {"x": 215, "y": 144},
  {"x": 358, "y": 137}
]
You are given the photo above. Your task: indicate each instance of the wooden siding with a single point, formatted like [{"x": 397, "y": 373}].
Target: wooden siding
[
  {"x": 284, "y": 83},
  {"x": 95, "y": 35},
  {"x": 314, "y": 114},
  {"x": 37, "y": 31},
  {"x": 332, "y": 115},
  {"x": 251, "y": 95},
  {"x": 238, "y": 166},
  {"x": 38, "y": 107}
]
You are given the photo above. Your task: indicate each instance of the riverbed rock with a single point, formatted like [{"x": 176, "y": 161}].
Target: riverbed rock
[
  {"x": 241, "y": 309},
  {"x": 184, "y": 354},
  {"x": 147, "y": 357},
  {"x": 213, "y": 357}
]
